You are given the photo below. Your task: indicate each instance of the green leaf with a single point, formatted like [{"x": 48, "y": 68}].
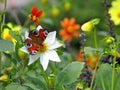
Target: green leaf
[
  {"x": 6, "y": 27},
  {"x": 69, "y": 74},
  {"x": 14, "y": 86},
  {"x": 6, "y": 45},
  {"x": 0, "y": 18},
  {"x": 32, "y": 86},
  {"x": 37, "y": 83},
  {"x": 89, "y": 50},
  {"x": 1, "y": 15},
  {"x": 95, "y": 21},
  {"x": 104, "y": 78},
  {"x": 48, "y": 21},
  {"x": 21, "y": 88}
]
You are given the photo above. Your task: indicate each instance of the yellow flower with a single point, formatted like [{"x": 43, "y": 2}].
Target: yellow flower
[
  {"x": 115, "y": 15},
  {"x": 4, "y": 78},
  {"x": 116, "y": 3},
  {"x": 114, "y": 12},
  {"x": 7, "y": 36},
  {"x": 6, "y": 32}
]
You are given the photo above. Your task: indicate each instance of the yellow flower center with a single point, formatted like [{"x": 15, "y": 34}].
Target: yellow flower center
[
  {"x": 70, "y": 29},
  {"x": 43, "y": 47},
  {"x": 34, "y": 18},
  {"x": 118, "y": 14},
  {"x": 8, "y": 37}
]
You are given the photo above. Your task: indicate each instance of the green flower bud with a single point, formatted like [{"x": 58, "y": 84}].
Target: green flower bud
[
  {"x": 22, "y": 55},
  {"x": 55, "y": 12},
  {"x": 87, "y": 27},
  {"x": 67, "y": 6},
  {"x": 51, "y": 80},
  {"x": 44, "y": 2}
]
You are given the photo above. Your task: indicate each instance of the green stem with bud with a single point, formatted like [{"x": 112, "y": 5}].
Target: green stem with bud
[
  {"x": 0, "y": 52},
  {"x": 93, "y": 77},
  {"x": 1, "y": 25},
  {"x": 45, "y": 76},
  {"x": 95, "y": 39}
]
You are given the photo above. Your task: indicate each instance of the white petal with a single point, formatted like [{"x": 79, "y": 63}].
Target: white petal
[
  {"x": 53, "y": 56},
  {"x": 44, "y": 59},
  {"x": 26, "y": 35},
  {"x": 39, "y": 27},
  {"x": 24, "y": 49},
  {"x": 55, "y": 45},
  {"x": 33, "y": 58},
  {"x": 50, "y": 38}
]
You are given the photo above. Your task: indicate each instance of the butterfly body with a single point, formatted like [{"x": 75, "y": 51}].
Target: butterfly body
[{"x": 36, "y": 38}]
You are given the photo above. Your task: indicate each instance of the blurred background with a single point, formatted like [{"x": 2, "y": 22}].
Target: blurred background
[{"x": 18, "y": 12}]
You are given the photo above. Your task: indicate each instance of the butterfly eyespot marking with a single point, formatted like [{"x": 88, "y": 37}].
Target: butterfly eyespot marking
[
  {"x": 45, "y": 32},
  {"x": 28, "y": 45},
  {"x": 36, "y": 33}
]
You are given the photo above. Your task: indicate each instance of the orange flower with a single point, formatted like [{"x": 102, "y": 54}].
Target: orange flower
[
  {"x": 80, "y": 56},
  {"x": 69, "y": 29},
  {"x": 92, "y": 61},
  {"x": 35, "y": 14}
]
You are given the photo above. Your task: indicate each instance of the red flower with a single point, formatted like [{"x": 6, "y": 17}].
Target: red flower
[
  {"x": 92, "y": 61},
  {"x": 35, "y": 14},
  {"x": 80, "y": 57}
]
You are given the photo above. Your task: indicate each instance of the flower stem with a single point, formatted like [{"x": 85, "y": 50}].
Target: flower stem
[
  {"x": 5, "y": 5},
  {"x": 1, "y": 25},
  {"x": 95, "y": 39},
  {"x": 93, "y": 77},
  {"x": 113, "y": 73},
  {"x": 94, "y": 87},
  {"x": 0, "y": 52},
  {"x": 44, "y": 75},
  {"x": 68, "y": 47},
  {"x": 0, "y": 62}
]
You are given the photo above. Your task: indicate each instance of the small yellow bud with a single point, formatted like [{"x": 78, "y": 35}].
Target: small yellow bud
[
  {"x": 51, "y": 79},
  {"x": 4, "y": 78},
  {"x": 22, "y": 55},
  {"x": 67, "y": 6},
  {"x": 79, "y": 86},
  {"x": 109, "y": 40},
  {"x": 55, "y": 12},
  {"x": 87, "y": 27},
  {"x": 44, "y": 2}
]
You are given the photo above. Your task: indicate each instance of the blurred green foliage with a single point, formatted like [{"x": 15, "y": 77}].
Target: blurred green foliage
[{"x": 81, "y": 10}]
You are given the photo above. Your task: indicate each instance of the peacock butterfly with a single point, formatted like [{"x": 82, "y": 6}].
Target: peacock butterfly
[{"x": 35, "y": 40}]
